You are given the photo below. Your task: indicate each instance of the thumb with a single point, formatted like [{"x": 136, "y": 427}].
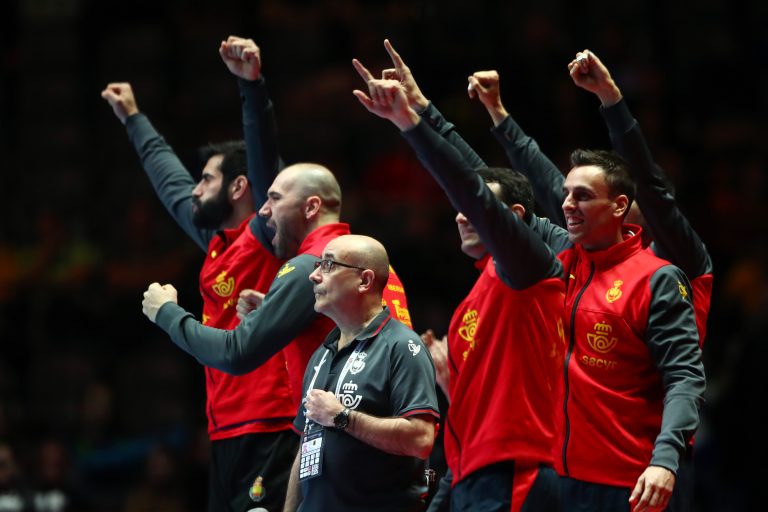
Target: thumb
[{"x": 473, "y": 84}]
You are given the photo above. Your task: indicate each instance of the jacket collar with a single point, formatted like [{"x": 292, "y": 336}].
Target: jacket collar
[{"x": 616, "y": 253}]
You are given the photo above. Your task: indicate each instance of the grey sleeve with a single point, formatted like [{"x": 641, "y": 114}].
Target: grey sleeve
[
  {"x": 520, "y": 255},
  {"x": 447, "y": 130},
  {"x": 288, "y": 309},
  {"x": 170, "y": 179},
  {"x": 553, "y": 235},
  {"x": 673, "y": 341},
  {"x": 525, "y": 156},
  {"x": 674, "y": 238},
  {"x": 262, "y": 151}
]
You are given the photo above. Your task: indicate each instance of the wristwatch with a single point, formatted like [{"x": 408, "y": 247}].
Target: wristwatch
[{"x": 341, "y": 420}]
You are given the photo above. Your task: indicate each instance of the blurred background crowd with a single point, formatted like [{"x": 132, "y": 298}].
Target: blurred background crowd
[{"x": 96, "y": 404}]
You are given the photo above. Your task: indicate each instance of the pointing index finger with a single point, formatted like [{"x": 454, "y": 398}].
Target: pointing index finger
[
  {"x": 396, "y": 59},
  {"x": 362, "y": 70}
]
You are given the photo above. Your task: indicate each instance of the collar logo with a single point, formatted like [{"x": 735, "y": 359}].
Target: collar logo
[
  {"x": 287, "y": 268},
  {"x": 358, "y": 364},
  {"x": 600, "y": 339},
  {"x": 467, "y": 330},
  {"x": 224, "y": 286},
  {"x": 683, "y": 290},
  {"x": 614, "y": 294},
  {"x": 414, "y": 348}
]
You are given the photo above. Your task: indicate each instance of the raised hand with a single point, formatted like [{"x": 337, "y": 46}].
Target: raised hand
[
  {"x": 588, "y": 72},
  {"x": 387, "y": 100},
  {"x": 120, "y": 97},
  {"x": 242, "y": 57},
  {"x": 154, "y": 298},
  {"x": 402, "y": 73},
  {"x": 484, "y": 85}
]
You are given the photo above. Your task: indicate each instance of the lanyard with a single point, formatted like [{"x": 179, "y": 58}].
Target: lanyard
[
  {"x": 312, "y": 385},
  {"x": 317, "y": 371},
  {"x": 351, "y": 360}
]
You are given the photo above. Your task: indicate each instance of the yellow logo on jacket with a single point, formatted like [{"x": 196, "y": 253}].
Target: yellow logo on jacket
[
  {"x": 224, "y": 286},
  {"x": 402, "y": 313},
  {"x": 287, "y": 268},
  {"x": 683, "y": 290},
  {"x": 601, "y": 340},
  {"x": 614, "y": 294},
  {"x": 467, "y": 330}
]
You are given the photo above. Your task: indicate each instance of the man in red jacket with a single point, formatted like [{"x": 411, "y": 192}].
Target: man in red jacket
[
  {"x": 254, "y": 368},
  {"x": 505, "y": 340},
  {"x": 667, "y": 372}
]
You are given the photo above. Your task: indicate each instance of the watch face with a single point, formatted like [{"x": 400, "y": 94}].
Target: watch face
[{"x": 341, "y": 419}]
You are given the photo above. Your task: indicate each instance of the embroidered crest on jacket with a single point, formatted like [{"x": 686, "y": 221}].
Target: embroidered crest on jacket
[
  {"x": 285, "y": 270},
  {"x": 224, "y": 286},
  {"x": 614, "y": 294},
  {"x": 601, "y": 340}
]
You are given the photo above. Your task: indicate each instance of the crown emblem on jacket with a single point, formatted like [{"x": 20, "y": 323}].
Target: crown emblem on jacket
[
  {"x": 285, "y": 269},
  {"x": 613, "y": 294},
  {"x": 467, "y": 330}
]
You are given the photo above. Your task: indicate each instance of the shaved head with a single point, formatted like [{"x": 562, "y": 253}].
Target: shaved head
[
  {"x": 363, "y": 251},
  {"x": 302, "y": 198},
  {"x": 310, "y": 179}
]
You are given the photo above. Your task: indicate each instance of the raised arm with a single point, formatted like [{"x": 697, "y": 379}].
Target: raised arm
[
  {"x": 172, "y": 182},
  {"x": 243, "y": 58},
  {"x": 523, "y": 152},
  {"x": 674, "y": 238},
  {"x": 520, "y": 255},
  {"x": 287, "y": 309},
  {"x": 420, "y": 104}
]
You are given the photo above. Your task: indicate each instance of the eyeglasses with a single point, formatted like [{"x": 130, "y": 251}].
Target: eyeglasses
[{"x": 327, "y": 265}]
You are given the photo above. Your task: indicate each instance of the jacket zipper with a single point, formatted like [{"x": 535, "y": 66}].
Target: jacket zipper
[{"x": 571, "y": 344}]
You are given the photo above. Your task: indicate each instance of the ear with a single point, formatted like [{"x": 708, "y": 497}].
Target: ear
[
  {"x": 312, "y": 206},
  {"x": 367, "y": 278},
  {"x": 518, "y": 209},
  {"x": 622, "y": 204},
  {"x": 238, "y": 188}
]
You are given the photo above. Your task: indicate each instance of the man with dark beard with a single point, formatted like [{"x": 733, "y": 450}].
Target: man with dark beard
[
  {"x": 299, "y": 214},
  {"x": 249, "y": 416}
]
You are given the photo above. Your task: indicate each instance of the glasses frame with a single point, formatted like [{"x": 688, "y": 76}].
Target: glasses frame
[{"x": 326, "y": 265}]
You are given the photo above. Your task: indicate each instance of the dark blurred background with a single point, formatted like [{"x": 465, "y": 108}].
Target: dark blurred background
[{"x": 97, "y": 405}]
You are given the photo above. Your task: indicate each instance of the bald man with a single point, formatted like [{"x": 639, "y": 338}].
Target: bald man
[
  {"x": 369, "y": 394},
  {"x": 299, "y": 214},
  {"x": 302, "y": 211}
]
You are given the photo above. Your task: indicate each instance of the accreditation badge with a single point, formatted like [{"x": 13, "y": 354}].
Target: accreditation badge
[{"x": 311, "y": 460}]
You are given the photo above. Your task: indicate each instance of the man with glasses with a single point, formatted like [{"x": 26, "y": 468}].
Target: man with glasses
[
  {"x": 369, "y": 394},
  {"x": 299, "y": 216}
]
